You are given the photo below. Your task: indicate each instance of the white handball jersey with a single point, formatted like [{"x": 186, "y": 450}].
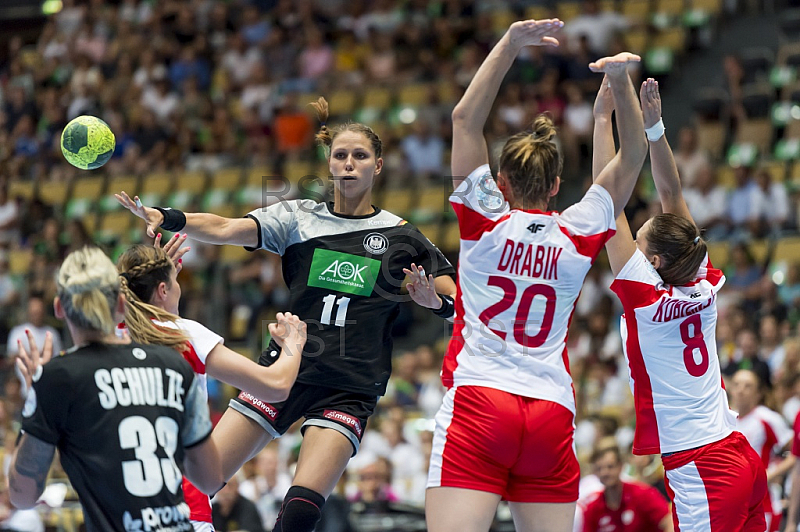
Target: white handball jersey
[
  {"x": 766, "y": 430},
  {"x": 201, "y": 341},
  {"x": 519, "y": 275},
  {"x": 668, "y": 334}
]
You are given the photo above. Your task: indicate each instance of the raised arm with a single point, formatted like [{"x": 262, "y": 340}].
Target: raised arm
[
  {"x": 662, "y": 162},
  {"x": 204, "y": 227},
  {"x": 620, "y": 175},
  {"x": 28, "y": 471},
  {"x": 268, "y": 383},
  {"x": 621, "y": 246},
  {"x": 471, "y": 113}
]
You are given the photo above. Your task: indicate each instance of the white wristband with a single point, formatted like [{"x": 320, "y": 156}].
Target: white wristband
[{"x": 656, "y": 132}]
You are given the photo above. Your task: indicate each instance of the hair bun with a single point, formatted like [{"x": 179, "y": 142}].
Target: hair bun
[{"x": 543, "y": 128}]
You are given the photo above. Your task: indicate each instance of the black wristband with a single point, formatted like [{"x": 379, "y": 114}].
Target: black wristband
[
  {"x": 448, "y": 308},
  {"x": 174, "y": 220}
]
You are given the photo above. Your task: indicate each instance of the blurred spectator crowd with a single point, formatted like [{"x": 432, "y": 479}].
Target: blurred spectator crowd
[{"x": 204, "y": 85}]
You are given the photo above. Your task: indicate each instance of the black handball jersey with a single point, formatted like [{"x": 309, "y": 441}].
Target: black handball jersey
[
  {"x": 121, "y": 416},
  {"x": 345, "y": 275}
]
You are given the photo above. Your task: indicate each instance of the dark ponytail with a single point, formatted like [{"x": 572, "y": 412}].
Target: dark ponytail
[{"x": 679, "y": 244}]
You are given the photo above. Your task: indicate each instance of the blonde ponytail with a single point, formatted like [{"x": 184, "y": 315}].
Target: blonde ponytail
[{"x": 88, "y": 288}]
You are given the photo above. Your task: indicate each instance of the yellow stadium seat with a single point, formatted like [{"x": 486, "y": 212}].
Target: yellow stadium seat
[
  {"x": 636, "y": 10},
  {"x": 116, "y": 223},
  {"x": 294, "y": 171},
  {"x": 92, "y": 188},
  {"x": 159, "y": 184},
  {"x": 20, "y": 189},
  {"x": 434, "y": 200},
  {"x": 795, "y": 173},
  {"x": 129, "y": 184},
  {"x": 636, "y": 40},
  {"x": 670, "y": 7},
  {"x": 788, "y": 250},
  {"x": 229, "y": 254},
  {"x": 53, "y": 192},
  {"x": 673, "y": 39},
  {"x": 342, "y": 102},
  {"x": 537, "y": 12},
  {"x": 448, "y": 92},
  {"x": 725, "y": 176},
  {"x": 414, "y": 95},
  {"x": 256, "y": 177},
  {"x": 192, "y": 182},
  {"x": 756, "y": 131},
  {"x": 400, "y": 201},
  {"x": 711, "y": 138},
  {"x": 712, "y": 7},
  {"x": 19, "y": 261},
  {"x": 718, "y": 253},
  {"x": 431, "y": 231},
  {"x": 377, "y": 98},
  {"x": 451, "y": 239},
  {"x": 227, "y": 179},
  {"x": 569, "y": 10},
  {"x": 792, "y": 130},
  {"x": 502, "y": 19},
  {"x": 608, "y": 5},
  {"x": 777, "y": 170}
]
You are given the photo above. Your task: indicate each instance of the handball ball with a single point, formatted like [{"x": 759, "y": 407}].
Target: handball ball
[{"x": 87, "y": 142}]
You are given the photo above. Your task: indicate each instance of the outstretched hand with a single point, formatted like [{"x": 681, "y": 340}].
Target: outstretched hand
[
  {"x": 30, "y": 362},
  {"x": 615, "y": 65},
  {"x": 604, "y": 102},
  {"x": 651, "y": 102},
  {"x": 534, "y": 33},
  {"x": 421, "y": 288},
  {"x": 174, "y": 249},
  {"x": 153, "y": 217}
]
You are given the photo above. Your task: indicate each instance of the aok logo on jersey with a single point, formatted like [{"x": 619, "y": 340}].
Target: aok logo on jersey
[{"x": 343, "y": 272}]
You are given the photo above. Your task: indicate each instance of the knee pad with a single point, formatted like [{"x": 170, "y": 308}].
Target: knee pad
[{"x": 300, "y": 511}]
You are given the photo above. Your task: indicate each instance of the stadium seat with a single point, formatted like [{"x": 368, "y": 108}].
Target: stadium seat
[
  {"x": 115, "y": 224},
  {"x": 502, "y": 19},
  {"x": 710, "y": 104},
  {"x": 711, "y": 138},
  {"x": 377, "y": 98},
  {"x": 757, "y": 100},
  {"x": 776, "y": 169},
  {"x": 608, "y": 5},
  {"x": 233, "y": 254},
  {"x": 670, "y": 7},
  {"x": 157, "y": 185},
  {"x": 568, "y": 10},
  {"x": 91, "y": 188},
  {"x": 343, "y": 102},
  {"x": 637, "y": 40},
  {"x": 296, "y": 170},
  {"x": 787, "y": 250},
  {"x": 725, "y": 176},
  {"x": 19, "y": 261},
  {"x": 789, "y": 54},
  {"x": 756, "y": 131},
  {"x": 451, "y": 238},
  {"x": 193, "y": 182},
  {"x": 673, "y": 39},
  {"x": 792, "y": 130},
  {"x": 718, "y": 252},
  {"x": 712, "y": 7},
  {"x": 53, "y": 192},
  {"x": 636, "y": 10},
  {"x": 18, "y": 188},
  {"x": 794, "y": 175},
  {"x": 129, "y": 184},
  {"x": 415, "y": 95},
  {"x": 432, "y": 231},
  {"x": 401, "y": 201},
  {"x": 227, "y": 179},
  {"x": 537, "y": 12},
  {"x": 756, "y": 63}
]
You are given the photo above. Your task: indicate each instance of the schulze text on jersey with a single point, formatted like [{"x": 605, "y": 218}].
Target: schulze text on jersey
[{"x": 139, "y": 386}]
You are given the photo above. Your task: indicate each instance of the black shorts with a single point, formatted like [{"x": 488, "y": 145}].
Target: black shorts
[{"x": 345, "y": 412}]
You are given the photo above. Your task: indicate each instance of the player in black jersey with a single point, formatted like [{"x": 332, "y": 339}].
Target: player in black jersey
[
  {"x": 343, "y": 262},
  {"x": 125, "y": 417}
]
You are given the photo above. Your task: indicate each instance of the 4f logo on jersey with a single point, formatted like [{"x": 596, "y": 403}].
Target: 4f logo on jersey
[
  {"x": 343, "y": 272},
  {"x": 376, "y": 243},
  {"x": 535, "y": 228}
]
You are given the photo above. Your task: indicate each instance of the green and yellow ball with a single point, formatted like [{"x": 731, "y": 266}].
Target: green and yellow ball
[{"x": 87, "y": 142}]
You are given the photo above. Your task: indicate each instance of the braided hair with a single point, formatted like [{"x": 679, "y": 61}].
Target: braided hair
[{"x": 141, "y": 270}]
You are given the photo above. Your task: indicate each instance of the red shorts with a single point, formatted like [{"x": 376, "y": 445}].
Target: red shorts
[
  {"x": 719, "y": 487},
  {"x": 517, "y": 447}
]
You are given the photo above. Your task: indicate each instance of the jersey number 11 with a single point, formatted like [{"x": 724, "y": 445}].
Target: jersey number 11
[{"x": 341, "y": 312}]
